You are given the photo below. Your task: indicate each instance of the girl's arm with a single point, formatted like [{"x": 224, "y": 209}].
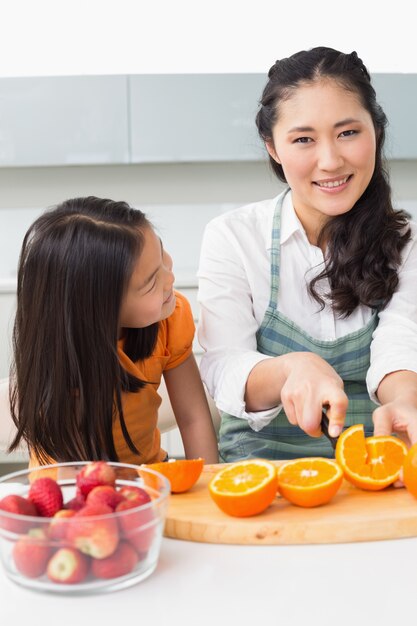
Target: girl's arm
[
  {"x": 397, "y": 393},
  {"x": 191, "y": 410}
]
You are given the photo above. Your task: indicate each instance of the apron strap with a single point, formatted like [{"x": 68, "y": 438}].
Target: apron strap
[{"x": 276, "y": 253}]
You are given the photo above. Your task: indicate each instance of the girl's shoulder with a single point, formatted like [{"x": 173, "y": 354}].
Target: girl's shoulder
[
  {"x": 176, "y": 332},
  {"x": 181, "y": 319},
  {"x": 182, "y": 311}
]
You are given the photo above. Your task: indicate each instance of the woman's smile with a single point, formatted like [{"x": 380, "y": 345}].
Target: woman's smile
[{"x": 333, "y": 185}]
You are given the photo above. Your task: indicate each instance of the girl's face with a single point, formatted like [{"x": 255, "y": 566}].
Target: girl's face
[
  {"x": 325, "y": 141},
  {"x": 149, "y": 297}
]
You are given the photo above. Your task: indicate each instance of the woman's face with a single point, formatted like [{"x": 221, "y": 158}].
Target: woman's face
[
  {"x": 149, "y": 297},
  {"x": 325, "y": 141}
]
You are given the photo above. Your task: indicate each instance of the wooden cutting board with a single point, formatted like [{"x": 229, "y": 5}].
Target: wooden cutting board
[{"x": 352, "y": 515}]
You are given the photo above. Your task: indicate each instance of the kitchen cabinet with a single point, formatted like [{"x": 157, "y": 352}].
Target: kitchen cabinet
[
  {"x": 195, "y": 117},
  {"x": 171, "y": 118},
  {"x": 397, "y": 94},
  {"x": 65, "y": 120}
]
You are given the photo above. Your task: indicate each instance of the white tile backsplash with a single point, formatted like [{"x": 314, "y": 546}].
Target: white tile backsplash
[
  {"x": 179, "y": 226},
  {"x": 408, "y": 205},
  {"x": 13, "y": 226}
]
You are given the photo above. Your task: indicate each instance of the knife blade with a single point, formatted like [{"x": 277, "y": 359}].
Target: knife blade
[{"x": 324, "y": 424}]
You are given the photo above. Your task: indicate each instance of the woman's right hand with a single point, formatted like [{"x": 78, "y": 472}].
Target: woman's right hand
[
  {"x": 310, "y": 384},
  {"x": 304, "y": 384}
]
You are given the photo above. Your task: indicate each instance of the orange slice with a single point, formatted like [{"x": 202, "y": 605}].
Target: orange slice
[
  {"x": 244, "y": 488},
  {"x": 410, "y": 470},
  {"x": 181, "y": 473},
  {"x": 309, "y": 482},
  {"x": 370, "y": 463}
]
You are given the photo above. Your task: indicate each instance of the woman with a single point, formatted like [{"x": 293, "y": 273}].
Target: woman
[{"x": 308, "y": 300}]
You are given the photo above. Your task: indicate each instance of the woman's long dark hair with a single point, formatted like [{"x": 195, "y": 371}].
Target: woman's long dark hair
[
  {"x": 364, "y": 244},
  {"x": 66, "y": 379}
]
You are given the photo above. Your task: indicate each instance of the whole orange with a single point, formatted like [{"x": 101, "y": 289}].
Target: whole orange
[{"x": 410, "y": 470}]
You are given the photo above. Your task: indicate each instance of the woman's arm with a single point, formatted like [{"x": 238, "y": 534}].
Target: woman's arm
[
  {"x": 191, "y": 410},
  {"x": 392, "y": 377},
  {"x": 303, "y": 383},
  {"x": 233, "y": 295},
  {"x": 398, "y": 396}
]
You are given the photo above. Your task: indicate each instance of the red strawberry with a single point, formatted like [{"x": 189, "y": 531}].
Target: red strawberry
[
  {"x": 136, "y": 524},
  {"x": 95, "y": 474},
  {"x": 58, "y": 526},
  {"x": 76, "y": 503},
  {"x": 121, "y": 562},
  {"x": 137, "y": 494},
  {"x": 19, "y": 506},
  {"x": 94, "y": 532},
  {"x": 31, "y": 553},
  {"x": 68, "y": 566},
  {"x": 46, "y": 495},
  {"x": 105, "y": 494}
]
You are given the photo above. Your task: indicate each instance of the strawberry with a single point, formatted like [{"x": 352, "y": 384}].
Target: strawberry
[
  {"x": 94, "y": 532},
  {"x": 57, "y": 529},
  {"x": 105, "y": 494},
  {"x": 120, "y": 563},
  {"x": 46, "y": 495},
  {"x": 68, "y": 566},
  {"x": 94, "y": 474},
  {"x": 31, "y": 553},
  {"x": 76, "y": 503},
  {"x": 136, "y": 524},
  {"x": 19, "y": 506},
  {"x": 137, "y": 494}
]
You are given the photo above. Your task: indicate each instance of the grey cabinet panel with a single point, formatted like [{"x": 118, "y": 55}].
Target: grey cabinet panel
[
  {"x": 195, "y": 117},
  {"x": 397, "y": 94},
  {"x": 81, "y": 120},
  {"x": 63, "y": 120}
]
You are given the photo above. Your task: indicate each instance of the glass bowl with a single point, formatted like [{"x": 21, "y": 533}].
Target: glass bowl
[{"x": 76, "y": 553}]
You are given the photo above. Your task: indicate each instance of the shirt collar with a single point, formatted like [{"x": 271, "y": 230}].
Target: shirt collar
[{"x": 290, "y": 224}]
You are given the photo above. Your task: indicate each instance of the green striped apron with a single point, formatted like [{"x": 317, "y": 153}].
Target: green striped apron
[{"x": 348, "y": 355}]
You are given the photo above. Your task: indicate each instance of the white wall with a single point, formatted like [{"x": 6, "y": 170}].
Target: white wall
[{"x": 50, "y": 37}]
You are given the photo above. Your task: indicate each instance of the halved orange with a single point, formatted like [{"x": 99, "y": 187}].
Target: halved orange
[
  {"x": 244, "y": 488},
  {"x": 310, "y": 481},
  {"x": 410, "y": 470},
  {"x": 181, "y": 473},
  {"x": 370, "y": 463}
]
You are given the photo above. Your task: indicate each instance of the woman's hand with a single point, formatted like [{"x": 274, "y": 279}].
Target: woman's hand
[
  {"x": 397, "y": 393},
  {"x": 399, "y": 417},
  {"x": 311, "y": 384},
  {"x": 303, "y": 383}
]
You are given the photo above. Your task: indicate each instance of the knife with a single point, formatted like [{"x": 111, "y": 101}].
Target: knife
[{"x": 324, "y": 424}]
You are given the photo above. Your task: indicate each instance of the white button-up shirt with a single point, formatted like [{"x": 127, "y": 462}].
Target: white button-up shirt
[{"x": 234, "y": 292}]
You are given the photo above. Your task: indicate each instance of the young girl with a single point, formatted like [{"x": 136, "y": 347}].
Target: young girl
[
  {"x": 97, "y": 325},
  {"x": 309, "y": 300}
]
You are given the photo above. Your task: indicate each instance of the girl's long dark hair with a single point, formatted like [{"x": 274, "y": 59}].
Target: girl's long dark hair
[
  {"x": 66, "y": 379},
  {"x": 364, "y": 244}
]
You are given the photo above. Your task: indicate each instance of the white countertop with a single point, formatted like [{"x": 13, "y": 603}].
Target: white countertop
[{"x": 198, "y": 584}]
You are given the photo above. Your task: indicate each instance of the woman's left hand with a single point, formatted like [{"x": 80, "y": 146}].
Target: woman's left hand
[
  {"x": 399, "y": 417},
  {"x": 397, "y": 414}
]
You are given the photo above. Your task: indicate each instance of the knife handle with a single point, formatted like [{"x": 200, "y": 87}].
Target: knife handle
[{"x": 324, "y": 424}]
